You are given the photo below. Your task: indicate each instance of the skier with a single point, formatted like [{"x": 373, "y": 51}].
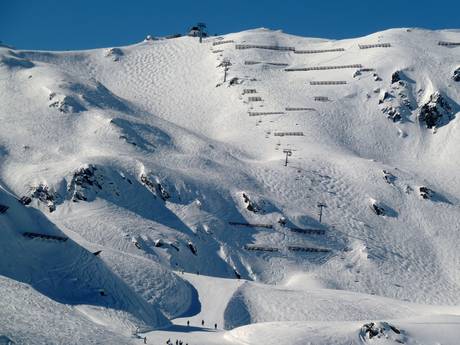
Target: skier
[
  {"x": 215, "y": 326},
  {"x": 188, "y": 323},
  {"x": 202, "y": 323},
  {"x": 145, "y": 340}
]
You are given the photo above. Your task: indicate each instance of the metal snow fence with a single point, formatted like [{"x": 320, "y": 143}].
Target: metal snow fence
[
  {"x": 266, "y": 226},
  {"x": 308, "y": 231},
  {"x": 319, "y": 68},
  {"x": 299, "y": 109},
  {"x": 246, "y": 91},
  {"x": 261, "y": 113},
  {"x": 222, "y": 42},
  {"x": 321, "y": 98},
  {"x": 308, "y": 249},
  {"x": 448, "y": 44},
  {"x": 251, "y": 46},
  {"x": 44, "y": 236},
  {"x": 261, "y": 248},
  {"x": 255, "y": 99},
  {"x": 375, "y": 45},
  {"x": 3, "y": 208},
  {"x": 328, "y": 82},
  {"x": 282, "y": 64},
  {"x": 287, "y": 134},
  {"x": 316, "y": 51}
]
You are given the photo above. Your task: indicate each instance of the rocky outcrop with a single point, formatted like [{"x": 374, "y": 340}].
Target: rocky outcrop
[
  {"x": 426, "y": 193},
  {"x": 156, "y": 188},
  {"x": 65, "y": 104},
  {"x": 397, "y": 103},
  {"x": 382, "y": 330},
  {"x": 389, "y": 177},
  {"x": 395, "y": 77},
  {"x": 114, "y": 53},
  {"x": 44, "y": 194},
  {"x": 83, "y": 184},
  {"x": 250, "y": 204},
  {"x": 436, "y": 112},
  {"x": 456, "y": 75}
]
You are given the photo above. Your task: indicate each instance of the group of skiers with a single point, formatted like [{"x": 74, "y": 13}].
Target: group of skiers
[
  {"x": 180, "y": 342},
  {"x": 202, "y": 324}
]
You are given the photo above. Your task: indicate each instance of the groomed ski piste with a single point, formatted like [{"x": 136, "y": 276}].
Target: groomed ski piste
[{"x": 144, "y": 191}]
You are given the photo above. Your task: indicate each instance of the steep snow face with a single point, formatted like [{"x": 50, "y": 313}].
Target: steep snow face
[{"x": 212, "y": 158}]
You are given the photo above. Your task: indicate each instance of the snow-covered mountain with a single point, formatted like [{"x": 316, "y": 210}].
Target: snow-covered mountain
[{"x": 145, "y": 186}]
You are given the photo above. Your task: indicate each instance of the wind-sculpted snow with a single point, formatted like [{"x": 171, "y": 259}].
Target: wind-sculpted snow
[{"x": 147, "y": 157}]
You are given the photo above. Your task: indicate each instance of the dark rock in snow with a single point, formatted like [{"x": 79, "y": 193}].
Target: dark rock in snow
[
  {"x": 192, "y": 248},
  {"x": 378, "y": 210},
  {"x": 155, "y": 187},
  {"x": 65, "y": 104},
  {"x": 43, "y": 194},
  {"x": 234, "y": 81},
  {"x": 436, "y": 112},
  {"x": 425, "y": 192},
  {"x": 384, "y": 96},
  {"x": 456, "y": 76},
  {"x": 395, "y": 77},
  {"x": 250, "y": 205},
  {"x": 384, "y": 331},
  {"x": 392, "y": 113},
  {"x": 84, "y": 183},
  {"x": 114, "y": 53},
  {"x": 389, "y": 177}
]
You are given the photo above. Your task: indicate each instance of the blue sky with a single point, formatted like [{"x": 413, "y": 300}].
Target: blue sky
[{"x": 83, "y": 24}]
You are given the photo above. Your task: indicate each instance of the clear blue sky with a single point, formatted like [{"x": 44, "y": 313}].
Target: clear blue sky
[{"x": 80, "y": 24}]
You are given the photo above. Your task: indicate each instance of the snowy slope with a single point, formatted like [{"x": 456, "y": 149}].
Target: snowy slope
[{"x": 144, "y": 153}]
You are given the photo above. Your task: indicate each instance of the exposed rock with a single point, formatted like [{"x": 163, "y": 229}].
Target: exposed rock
[
  {"x": 378, "y": 210},
  {"x": 250, "y": 205},
  {"x": 192, "y": 248},
  {"x": 234, "y": 81},
  {"x": 155, "y": 187},
  {"x": 65, "y": 104},
  {"x": 45, "y": 195},
  {"x": 114, "y": 53},
  {"x": 426, "y": 193},
  {"x": 395, "y": 77},
  {"x": 436, "y": 112},
  {"x": 456, "y": 76},
  {"x": 376, "y": 77},
  {"x": 389, "y": 177},
  {"x": 82, "y": 182},
  {"x": 397, "y": 103},
  {"x": 159, "y": 243},
  {"x": 392, "y": 113},
  {"x": 382, "y": 330}
]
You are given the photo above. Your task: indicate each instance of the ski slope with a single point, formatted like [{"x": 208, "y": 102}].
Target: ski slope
[{"x": 176, "y": 178}]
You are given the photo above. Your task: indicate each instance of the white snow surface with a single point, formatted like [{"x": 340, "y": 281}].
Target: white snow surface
[{"x": 144, "y": 153}]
